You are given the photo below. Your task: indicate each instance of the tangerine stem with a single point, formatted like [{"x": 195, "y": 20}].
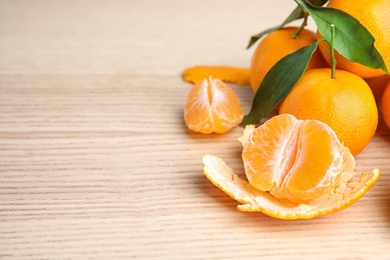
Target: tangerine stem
[
  {"x": 333, "y": 60},
  {"x": 304, "y": 23}
]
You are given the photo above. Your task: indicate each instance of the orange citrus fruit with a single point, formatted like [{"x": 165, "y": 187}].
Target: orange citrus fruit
[
  {"x": 287, "y": 178},
  {"x": 386, "y": 105},
  {"x": 212, "y": 107},
  {"x": 345, "y": 103},
  {"x": 282, "y": 153},
  {"x": 374, "y": 15},
  {"x": 276, "y": 45},
  {"x": 378, "y": 85}
]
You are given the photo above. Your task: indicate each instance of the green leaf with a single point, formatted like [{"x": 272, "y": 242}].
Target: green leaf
[
  {"x": 256, "y": 37},
  {"x": 352, "y": 39},
  {"x": 278, "y": 82},
  {"x": 318, "y": 2},
  {"x": 295, "y": 15}
]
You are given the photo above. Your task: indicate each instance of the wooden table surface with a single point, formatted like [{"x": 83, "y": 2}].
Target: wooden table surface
[{"x": 95, "y": 159}]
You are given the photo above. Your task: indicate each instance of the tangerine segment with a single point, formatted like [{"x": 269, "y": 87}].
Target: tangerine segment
[
  {"x": 318, "y": 161},
  {"x": 348, "y": 192},
  {"x": 262, "y": 152},
  {"x": 212, "y": 107},
  {"x": 294, "y": 159}
]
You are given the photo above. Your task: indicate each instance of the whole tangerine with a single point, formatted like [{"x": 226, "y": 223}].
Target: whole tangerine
[
  {"x": 374, "y": 15},
  {"x": 345, "y": 103},
  {"x": 386, "y": 105},
  {"x": 276, "y": 45},
  {"x": 378, "y": 85}
]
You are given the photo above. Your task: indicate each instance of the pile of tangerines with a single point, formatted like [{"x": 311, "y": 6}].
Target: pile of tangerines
[{"x": 300, "y": 163}]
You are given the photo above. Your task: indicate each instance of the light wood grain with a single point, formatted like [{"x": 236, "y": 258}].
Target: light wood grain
[{"x": 96, "y": 162}]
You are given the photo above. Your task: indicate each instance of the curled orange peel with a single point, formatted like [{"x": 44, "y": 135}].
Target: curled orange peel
[
  {"x": 229, "y": 74},
  {"x": 350, "y": 190}
]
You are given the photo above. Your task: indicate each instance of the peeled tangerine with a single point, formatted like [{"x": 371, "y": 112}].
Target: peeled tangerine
[{"x": 296, "y": 169}]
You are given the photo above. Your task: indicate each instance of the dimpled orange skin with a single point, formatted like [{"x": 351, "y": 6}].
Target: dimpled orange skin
[
  {"x": 345, "y": 103},
  {"x": 277, "y": 45},
  {"x": 374, "y": 15},
  {"x": 386, "y": 105}
]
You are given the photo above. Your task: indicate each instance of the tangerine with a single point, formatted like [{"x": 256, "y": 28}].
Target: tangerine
[
  {"x": 345, "y": 103},
  {"x": 374, "y": 15},
  {"x": 276, "y": 45},
  {"x": 279, "y": 155},
  {"x": 287, "y": 178},
  {"x": 386, "y": 105},
  {"x": 212, "y": 107},
  {"x": 378, "y": 85}
]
